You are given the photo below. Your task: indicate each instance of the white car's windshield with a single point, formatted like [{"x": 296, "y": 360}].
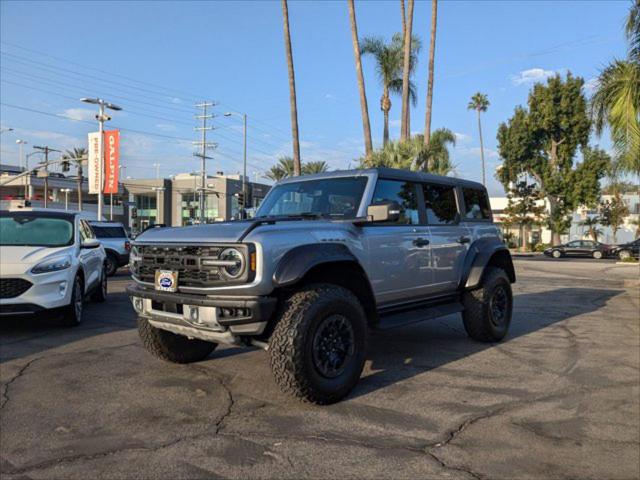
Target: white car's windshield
[
  {"x": 324, "y": 197},
  {"x": 29, "y": 229}
]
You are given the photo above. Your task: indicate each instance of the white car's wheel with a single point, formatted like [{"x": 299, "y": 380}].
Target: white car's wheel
[{"x": 72, "y": 315}]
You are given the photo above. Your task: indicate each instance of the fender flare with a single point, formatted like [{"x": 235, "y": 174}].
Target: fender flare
[
  {"x": 294, "y": 264},
  {"x": 479, "y": 256}
]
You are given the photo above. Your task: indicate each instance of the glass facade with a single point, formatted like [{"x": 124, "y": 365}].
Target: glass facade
[{"x": 190, "y": 208}]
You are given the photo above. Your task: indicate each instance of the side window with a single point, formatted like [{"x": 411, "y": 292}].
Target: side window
[
  {"x": 476, "y": 204},
  {"x": 85, "y": 231},
  {"x": 440, "y": 203},
  {"x": 574, "y": 244},
  {"x": 403, "y": 193}
]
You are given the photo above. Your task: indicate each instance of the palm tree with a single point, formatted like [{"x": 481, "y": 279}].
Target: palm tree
[
  {"x": 315, "y": 167},
  {"x": 413, "y": 155},
  {"x": 432, "y": 52},
  {"x": 406, "y": 72},
  {"x": 479, "y": 102},
  {"x": 616, "y": 100},
  {"x": 292, "y": 90},
  {"x": 77, "y": 156},
  {"x": 366, "y": 126},
  {"x": 592, "y": 227},
  {"x": 388, "y": 59},
  {"x": 282, "y": 169}
]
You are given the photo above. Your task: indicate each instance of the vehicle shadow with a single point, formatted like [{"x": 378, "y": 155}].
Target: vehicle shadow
[{"x": 398, "y": 354}]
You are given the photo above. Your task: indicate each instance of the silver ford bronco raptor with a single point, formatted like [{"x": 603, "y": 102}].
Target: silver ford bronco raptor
[{"x": 326, "y": 258}]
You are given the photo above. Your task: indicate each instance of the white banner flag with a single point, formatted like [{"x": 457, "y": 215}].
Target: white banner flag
[{"x": 94, "y": 163}]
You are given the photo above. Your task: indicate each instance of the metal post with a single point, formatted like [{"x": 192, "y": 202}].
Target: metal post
[
  {"x": 243, "y": 214},
  {"x": 203, "y": 155},
  {"x": 101, "y": 160}
]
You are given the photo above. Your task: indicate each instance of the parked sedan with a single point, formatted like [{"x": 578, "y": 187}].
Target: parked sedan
[
  {"x": 627, "y": 250},
  {"x": 579, "y": 248}
]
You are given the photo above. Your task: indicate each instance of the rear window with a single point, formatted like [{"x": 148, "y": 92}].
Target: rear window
[
  {"x": 440, "y": 204},
  {"x": 476, "y": 204},
  {"x": 109, "y": 232}
]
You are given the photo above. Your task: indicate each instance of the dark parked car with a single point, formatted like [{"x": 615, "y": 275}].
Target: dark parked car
[
  {"x": 627, "y": 250},
  {"x": 579, "y": 248}
]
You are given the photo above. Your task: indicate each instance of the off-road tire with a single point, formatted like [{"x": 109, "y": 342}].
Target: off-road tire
[
  {"x": 556, "y": 254},
  {"x": 99, "y": 295},
  {"x": 111, "y": 264},
  {"x": 597, "y": 255},
  {"x": 478, "y": 317},
  {"x": 72, "y": 313},
  {"x": 291, "y": 346},
  {"x": 171, "y": 347}
]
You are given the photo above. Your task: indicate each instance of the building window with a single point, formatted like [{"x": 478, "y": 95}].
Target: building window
[{"x": 190, "y": 208}]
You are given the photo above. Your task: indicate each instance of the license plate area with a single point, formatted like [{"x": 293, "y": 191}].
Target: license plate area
[{"x": 166, "y": 280}]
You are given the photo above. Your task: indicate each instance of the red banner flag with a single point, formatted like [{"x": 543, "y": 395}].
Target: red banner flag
[{"x": 111, "y": 158}]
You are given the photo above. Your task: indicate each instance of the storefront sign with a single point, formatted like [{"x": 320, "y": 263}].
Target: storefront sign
[{"x": 94, "y": 163}]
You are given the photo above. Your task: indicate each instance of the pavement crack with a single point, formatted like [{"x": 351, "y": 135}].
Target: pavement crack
[
  {"x": 454, "y": 433},
  {"x": 20, "y": 373},
  {"x": 444, "y": 465}
]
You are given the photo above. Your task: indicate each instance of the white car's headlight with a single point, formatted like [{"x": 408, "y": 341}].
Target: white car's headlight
[{"x": 53, "y": 264}]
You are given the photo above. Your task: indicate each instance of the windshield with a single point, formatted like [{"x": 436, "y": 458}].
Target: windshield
[
  {"x": 325, "y": 197},
  {"x": 23, "y": 229}
]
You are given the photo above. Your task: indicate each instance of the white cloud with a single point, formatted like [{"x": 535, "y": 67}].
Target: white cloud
[
  {"x": 462, "y": 138},
  {"x": 176, "y": 100},
  {"x": 166, "y": 127},
  {"x": 329, "y": 96},
  {"x": 79, "y": 114},
  {"x": 531, "y": 76}
]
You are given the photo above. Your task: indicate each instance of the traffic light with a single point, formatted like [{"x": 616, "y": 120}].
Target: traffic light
[
  {"x": 240, "y": 196},
  {"x": 65, "y": 164},
  {"x": 134, "y": 212}
]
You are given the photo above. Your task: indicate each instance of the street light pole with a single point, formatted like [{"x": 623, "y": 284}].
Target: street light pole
[
  {"x": 244, "y": 161},
  {"x": 102, "y": 104},
  {"x": 28, "y": 175},
  {"x": 66, "y": 197}
]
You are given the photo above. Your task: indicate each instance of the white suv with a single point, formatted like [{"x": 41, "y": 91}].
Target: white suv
[{"x": 49, "y": 260}]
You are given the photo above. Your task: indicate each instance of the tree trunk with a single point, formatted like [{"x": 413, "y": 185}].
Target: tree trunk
[
  {"x": 385, "y": 106},
  {"x": 366, "y": 126},
  {"x": 292, "y": 90},
  {"x": 404, "y": 34},
  {"x": 432, "y": 51},
  {"x": 484, "y": 179},
  {"x": 404, "y": 133}
]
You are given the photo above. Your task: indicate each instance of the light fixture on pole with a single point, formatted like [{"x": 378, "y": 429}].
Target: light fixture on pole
[
  {"x": 6, "y": 130},
  {"x": 66, "y": 197},
  {"x": 244, "y": 159},
  {"x": 101, "y": 117}
]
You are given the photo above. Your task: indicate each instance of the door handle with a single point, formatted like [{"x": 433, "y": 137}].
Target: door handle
[
  {"x": 421, "y": 242},
  {"x": 464, "y": 239}
]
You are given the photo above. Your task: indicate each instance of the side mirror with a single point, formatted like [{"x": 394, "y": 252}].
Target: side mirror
[
  {"x": 383, "y": 212},
  {"x": 90, "y": 243}
]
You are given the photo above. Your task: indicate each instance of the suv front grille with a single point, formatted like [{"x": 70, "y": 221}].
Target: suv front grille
[
  {"x": 13, "y": 287},
  {"x": 186, "y": 260}
]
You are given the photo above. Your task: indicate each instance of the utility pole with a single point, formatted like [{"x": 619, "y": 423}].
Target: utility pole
[
  {"x": 203, "y": 154},
  {"x": 46, "y": 151},
  {"x": 244, "y": 161}
]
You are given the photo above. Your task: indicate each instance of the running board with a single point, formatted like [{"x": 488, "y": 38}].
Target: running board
[{"x": 395, "y": 320}]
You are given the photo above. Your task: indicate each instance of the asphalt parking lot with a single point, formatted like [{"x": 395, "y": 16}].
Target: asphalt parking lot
[{"x": 559, "y": 398}]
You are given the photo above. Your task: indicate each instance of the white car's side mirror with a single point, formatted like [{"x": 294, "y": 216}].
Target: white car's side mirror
[{"x": 90, "y": 243}]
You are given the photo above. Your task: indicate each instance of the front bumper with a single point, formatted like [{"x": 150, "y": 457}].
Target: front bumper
[
  {"x": 49, "y": 291},
  {"x": 200, "y": 316}
]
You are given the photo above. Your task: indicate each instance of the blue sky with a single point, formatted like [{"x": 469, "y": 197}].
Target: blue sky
[{"x": 155, "y": 59}]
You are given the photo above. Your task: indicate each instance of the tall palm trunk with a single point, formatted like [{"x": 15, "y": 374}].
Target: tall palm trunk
[
  {"x": 385, "y": 106},
  {"x": 484, "y": 180},
  {"x": 407, "y": 119},
  {"x": 432, "y": 52},
  {"x": 292, "y": 90},
  {"x": 366, "y": 126},
  {"x": 404, "y": 133}
]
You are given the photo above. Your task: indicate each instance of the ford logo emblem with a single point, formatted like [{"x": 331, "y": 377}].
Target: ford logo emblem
[{"x": 166, "y": 282}]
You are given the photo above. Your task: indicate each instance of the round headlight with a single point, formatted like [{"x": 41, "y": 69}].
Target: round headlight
[{"x": 232, "y": 255}]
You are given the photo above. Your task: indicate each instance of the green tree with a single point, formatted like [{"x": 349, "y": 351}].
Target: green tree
[
  {"x": 523, "y": 209},
  {"x": 282, "y": 169},
  {"x": 413, "y": 155},
  {"x": 314, "y": 167},
  {"x": 389, "y": 58},
  {"x": 77, "y": 156},
  {"x": 542, "y": 141},
  {"x": 479, "y": 102},
  {"x": 592, "y": 227},
  {"x": 616, "y": 99},
  {"x": 613, "y": 213}
]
